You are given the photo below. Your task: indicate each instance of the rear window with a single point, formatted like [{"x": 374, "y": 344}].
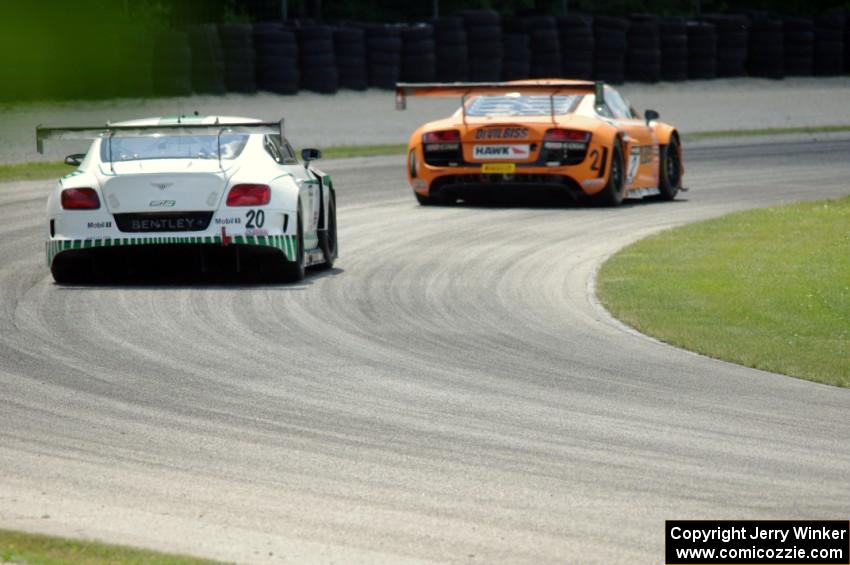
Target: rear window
[
  {"x": 172, "y": 147},
  {"x": 522, "y": 105}
]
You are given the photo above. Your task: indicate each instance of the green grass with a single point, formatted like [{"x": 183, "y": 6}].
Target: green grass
[
  {"x": 33, "y": 171},
  {"x": 35, "y": 549},
  {"x": 346, "y": 151},
  {"x": 766, "y": 288}
]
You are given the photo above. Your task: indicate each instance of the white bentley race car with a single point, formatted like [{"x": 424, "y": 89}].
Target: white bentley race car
[{"x": 203, "y": 194}]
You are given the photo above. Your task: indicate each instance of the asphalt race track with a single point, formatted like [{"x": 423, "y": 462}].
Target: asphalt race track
[{"x": 449, "y": 393}]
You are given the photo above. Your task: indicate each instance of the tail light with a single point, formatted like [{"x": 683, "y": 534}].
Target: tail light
[
  {"x": 565, "y": 146},
  {"x": 449, "y": 135},
  {"x": 446, "y": 140},
  {"x": 569, "y": 138},
  {"x": 249, "y": 195},
  {"x": 80, "y": 199}
]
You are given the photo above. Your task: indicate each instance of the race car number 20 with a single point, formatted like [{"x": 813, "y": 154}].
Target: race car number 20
[{"x": 255, "y": 219}]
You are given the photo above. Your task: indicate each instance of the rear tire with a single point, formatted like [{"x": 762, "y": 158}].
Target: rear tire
[
  {"x": 327, "y": 237},
  {"x": 615, "y": 189},
  {"x": 670, "y": 174},
  {"x": 424, "y": 200},
  {"x": 70, "y": 271},
  {"x": 293, "y": 271}
]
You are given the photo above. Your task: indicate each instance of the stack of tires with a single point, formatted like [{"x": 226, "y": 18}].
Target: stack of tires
[
  {"x": 767, "y": 48},
  {"x": 847, "y": 42},
  {"x": 277, "y": 58},
  {"x": 452, "y": 55},
  {"x": 207, "y": 59},
  {"x": 575, "y": 36},
  {"x": 418, "y": 55},
  {"x": 702, "y": 50},
  {"x": 484, "y": 44},
  {"x": 732, "y": 43},
  {"x": 643, "y": 61},
  {"x": 383, "y": 54},
  {"x": 136, "y": 53},
  {"x": 173, "y": 70},
  {"x": 516, "y": 63},
  {"x": 674, "y": 49},
  {"x": 237, "y": 43},
  {"x": 317, "y": 59},
  {"x": 799, "y": 36},
  {"x": 545, "y": 46},
  {"x": 609, "y": 58},
  {"x": 829, "y": 44},
  {"x": 350, "y": 50}
]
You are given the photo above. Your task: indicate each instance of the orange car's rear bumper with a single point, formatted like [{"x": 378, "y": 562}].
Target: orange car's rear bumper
[{"x": 585, "y": 178}]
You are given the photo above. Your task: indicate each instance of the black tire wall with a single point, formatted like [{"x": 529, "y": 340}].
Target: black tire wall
[
  {"x": 277, "y": 58},
  {"x": 643, "y": 60},
  {"x": 484, "y": 43},
  {"x": 418, "y": 54},
  {"x": 237, "y": 42},
  {"x": 674, "y": 49},
  {"x": 451, "y": 50},
  {"x": 317, "y": 59},
  {"x": 575, "y": 35},
  {"x": 350, "y": 49},
  {"x": 609, "y": 57},
  {"x": 173, "y": 69}
]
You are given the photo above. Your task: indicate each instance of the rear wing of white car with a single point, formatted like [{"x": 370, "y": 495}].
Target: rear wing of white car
[{"x": 108, "y": 131}]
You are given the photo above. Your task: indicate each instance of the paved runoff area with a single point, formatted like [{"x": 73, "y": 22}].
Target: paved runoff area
[{"x": 365, "y": 118}]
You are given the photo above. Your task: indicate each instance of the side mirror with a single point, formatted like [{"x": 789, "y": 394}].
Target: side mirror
[
  {"x": 310, "y": 154},
  {"x": 75, "y": 159},
  {"x": 651, "y": 115}
]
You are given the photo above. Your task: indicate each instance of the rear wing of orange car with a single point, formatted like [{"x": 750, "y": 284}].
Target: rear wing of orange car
[{"x": 551, "y": 88}]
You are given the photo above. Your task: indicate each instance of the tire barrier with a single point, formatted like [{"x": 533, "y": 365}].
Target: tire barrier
[
  {"x": 277, "y": 58},
  {"x": 829, "y": 44},
  {"x": 350, "y": 50},
  {"x": 317, "y": 59},
  {"x": 383, "y": 53},
  {"x": 545, "y": 45},
  {"x": 173, "y": 73},
  {"x": 484, "y": 44},
  {"x": 473, "y": 45},
  {"x": 136, "y": 52},
  {"x": 702, "y": 50},
  {"x": 516, "y": 63},
  {"x": 237, "y": 43},
  {"x": 451, "y": 49},
  {"x": 418, "y": 56},
  {"x": 767, "y": 48},
  {"x": 643, "y": 59},
  {"x": 609, "y": 56},
  {"x": 575, "y": 35},
  {"x": 207, "y": 59},
  {"x": 799, "y": 43},
  {"x": 674, "y": 49},
  {"x": 733, "y": 43},
  {"x": 847, "y": 42}
]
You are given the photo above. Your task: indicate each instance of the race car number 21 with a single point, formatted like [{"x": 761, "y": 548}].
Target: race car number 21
[{"x": 255, "y": 219}]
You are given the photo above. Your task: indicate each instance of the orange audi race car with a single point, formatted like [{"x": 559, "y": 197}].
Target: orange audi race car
[{"x": 567, "y": 137}]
